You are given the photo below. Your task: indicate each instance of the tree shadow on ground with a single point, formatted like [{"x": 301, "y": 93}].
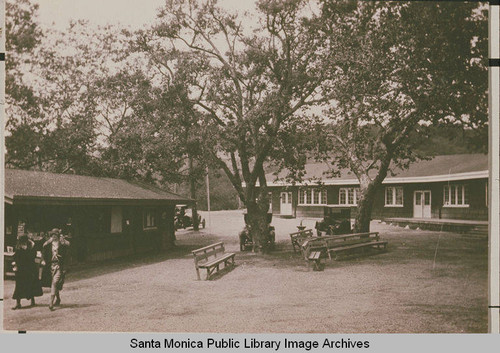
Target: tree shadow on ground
[{"x": 181, "y": 250}]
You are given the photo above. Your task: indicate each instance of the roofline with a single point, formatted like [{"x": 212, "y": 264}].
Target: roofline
[
  {"x": 47, "y": 200},
  {"x": 393, "y": 180}
]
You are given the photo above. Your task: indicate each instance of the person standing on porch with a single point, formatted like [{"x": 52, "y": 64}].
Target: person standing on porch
[
  {"x": 54, "y": 255},
  {"x": 27, "y": 282}
]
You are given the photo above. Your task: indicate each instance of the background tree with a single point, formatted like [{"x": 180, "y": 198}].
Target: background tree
[
  {"x": 406, "y": 66},
  {"x": 23, "y": 36},
  {"x": 254, "y": 85}
]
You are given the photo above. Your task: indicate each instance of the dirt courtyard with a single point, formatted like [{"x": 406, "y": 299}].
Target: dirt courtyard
[{"x": 400, "y": 291}]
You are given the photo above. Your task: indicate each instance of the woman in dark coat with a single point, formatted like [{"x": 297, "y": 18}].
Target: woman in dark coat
[{"x": 27, "y": 282}]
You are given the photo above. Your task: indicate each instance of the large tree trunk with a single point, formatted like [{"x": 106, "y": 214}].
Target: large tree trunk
[
  {"x": 192, "y": 190},
  {"x": 258, "y": 223},
  {"x": 365, "y": 204},
  {"x": 368, "y": 188}
]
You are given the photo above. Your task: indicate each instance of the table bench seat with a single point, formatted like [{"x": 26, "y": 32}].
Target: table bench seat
[
  {"x": 217, "y": 260},
  {"x": 335, "y": 251},
  {"x": 313, "y": 249}
]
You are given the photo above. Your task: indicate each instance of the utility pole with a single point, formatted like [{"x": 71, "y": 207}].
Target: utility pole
[{"x": 208, "y": 200}]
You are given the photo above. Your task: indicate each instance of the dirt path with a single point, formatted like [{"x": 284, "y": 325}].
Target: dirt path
[{"x": 401, "y": 290}]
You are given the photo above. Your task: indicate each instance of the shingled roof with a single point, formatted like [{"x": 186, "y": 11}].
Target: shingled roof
[
  {"x": 439, "y": 168},
  {"x": 31, "y": 186}
]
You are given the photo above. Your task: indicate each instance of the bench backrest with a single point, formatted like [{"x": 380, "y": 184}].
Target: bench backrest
[
  {"x": 205, "y": 253},
  {"x": 333, "y": 241},
  {"x": 302, "y": 234}
]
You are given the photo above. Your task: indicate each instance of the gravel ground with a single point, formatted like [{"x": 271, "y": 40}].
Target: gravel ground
[{"x": 402, "y": 290}]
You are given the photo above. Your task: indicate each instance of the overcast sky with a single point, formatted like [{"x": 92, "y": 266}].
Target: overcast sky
[{"x": 134, "y": 13}]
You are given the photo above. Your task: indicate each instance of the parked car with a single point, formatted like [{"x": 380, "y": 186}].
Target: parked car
[
  {"x": 184, "y": 218},
  {"x": 246, "y": 241},
  {"x": 335, "y": 221}
]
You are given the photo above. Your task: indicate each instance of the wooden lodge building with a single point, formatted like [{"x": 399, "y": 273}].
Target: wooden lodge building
[
  {"x": 446, "y": 187},
  {"x": 105, "y": 217}
]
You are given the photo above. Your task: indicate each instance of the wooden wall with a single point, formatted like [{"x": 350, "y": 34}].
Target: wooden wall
[{"x": 477, "y": 209}]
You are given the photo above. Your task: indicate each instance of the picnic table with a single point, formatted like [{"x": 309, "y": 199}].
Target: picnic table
[{"x": 314, "y": 249}]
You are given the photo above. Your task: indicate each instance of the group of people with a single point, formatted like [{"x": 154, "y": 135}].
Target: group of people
[{"x": 28, "y": 283}]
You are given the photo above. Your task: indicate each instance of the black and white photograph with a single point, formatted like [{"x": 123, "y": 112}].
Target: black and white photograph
[{"x": 249, "y": 167}]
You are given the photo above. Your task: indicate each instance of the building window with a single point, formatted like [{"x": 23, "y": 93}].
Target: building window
[
  {"x": 312, "y": 197},
  {"x": 394, "y": 196},
  {"x": 116, "y": 219},
  {"x": 149, "y": 219},
  {"x": 349, "y": 196},
  {"x": 456, "y": 196}
]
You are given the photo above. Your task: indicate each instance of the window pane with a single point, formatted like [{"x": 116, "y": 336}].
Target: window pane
[
  {"x": 446, "y": 195},
  {"x": 388, "y": 196},
  {"x": 399, "y": 196},
  {"x": 453, "y": 191},
  {"x": 466, "y": 195},
  {"x": 418, "y": 198},
  {"x": 308, "y": 197},
  {"x": 301, "y": 196},
  {"x": 316, "y": 196},
  {"x": 427, "y": 198},
  {"x": 289, "y": 197},
  {"x": 357, "y": 195},
  {"x": 459, "y": 195},
  {"x": 350, "y": 196},
  {"x": 116, "y": 219},
  {"x": 342, "y": 196},
  {"x": 323, "y": 197}
]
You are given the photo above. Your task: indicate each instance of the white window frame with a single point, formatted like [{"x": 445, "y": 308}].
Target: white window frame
[
  {"x": 394, "y": 198},
  {"x": 447, "y": 203},
  {"x": 323, "y": 195},
  {"x": 355, "y": 196}
]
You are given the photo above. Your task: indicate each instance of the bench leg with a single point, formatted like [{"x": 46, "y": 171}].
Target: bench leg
[
  {"x": 209, "y": 272},
  {"x": 318, "y": 266},
  {"x": 198, "y": 273}
]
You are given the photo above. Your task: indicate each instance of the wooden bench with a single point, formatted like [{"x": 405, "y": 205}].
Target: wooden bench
[
  {"x": 315, "y": 258},
  {"x": 299, "y": 237},
  {"x": 334, "y": 245},
  {"x": 210, "y": 257}
]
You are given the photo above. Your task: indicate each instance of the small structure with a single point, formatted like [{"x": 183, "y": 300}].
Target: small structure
[{"x": 105, "y": 217}]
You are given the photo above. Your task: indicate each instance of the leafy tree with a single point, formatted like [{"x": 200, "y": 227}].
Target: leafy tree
[
  {"x": 23, "y": 36},
  {"x": 76, "y": 95},
  {"x": 407, "y": 66},
  {"x": 252, "y": 86}
]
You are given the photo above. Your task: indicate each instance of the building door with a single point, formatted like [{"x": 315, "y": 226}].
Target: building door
[
  {"x": 286, "y": 203},
  {"x": 422, "y": 204}
]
